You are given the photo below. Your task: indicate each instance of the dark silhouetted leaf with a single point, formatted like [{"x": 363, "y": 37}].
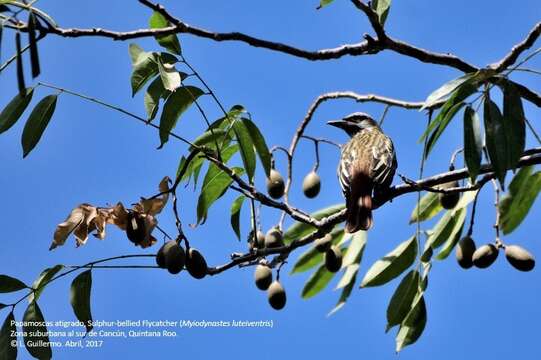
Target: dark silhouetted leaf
[
  {"x": 311, "y": 257},
  {"x": 80, "y": 298},
  {"x": 317, "y": 282},
  {"x": 7, "y": 351},
  {"x": 445, "y": 90},
  {"x": 40, "y": 283},
  {"x": 392, "y": 264},
  {"x": 212, "y": 191},
  {"x": 170, "y": 42},
  {"x": 37, "y": 123},
  {"x": 260, "y": 145},
  {"x": 235, "y": 214},
  {"x": 402, "y": 299},
  {"x": 300, "y": 229},
  {"x": 455, "y": 235},
  {"x": 428, "y": 207},
  {"x": 514, "y": 124},
  {"x": 33, "y": 45},
  {"x": 13, "y": 111},
  {"x": 154, "y": 93},
  {"x": 473, "y": 142},
  {"x": 10, "y": 284},
  {"x": 413, "y": 325},
  {"x": 516, "y": 204},
  {"x": 36, "y": 339},
  {"x": 20, "y": 70},
  {"x": 177, "y": 103},
  {"x": 495, "y": 139}
]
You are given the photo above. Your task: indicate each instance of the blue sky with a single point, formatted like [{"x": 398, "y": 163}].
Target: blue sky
[{"x": 91, "y": 154}]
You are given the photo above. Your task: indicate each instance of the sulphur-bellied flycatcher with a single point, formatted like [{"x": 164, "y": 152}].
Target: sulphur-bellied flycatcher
[{"x": 367, "y": 167}]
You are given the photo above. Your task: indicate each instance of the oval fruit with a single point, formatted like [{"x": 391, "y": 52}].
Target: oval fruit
[
  {"x": 449, "y": 201},
  {"x": 260, "y": 236},
  {"x": 196, "y": 264},
  {"x": 175, "y": 258},
  {"x": 274, "y": 238},
  {"x": 323, "y": 244},
  {"x": 160, "y": 256},
  {"x": 311, "y": 185},
  {"x": 333, "y": 259},
  {"x": 276, "y": 295},
  {"x": 263, "y": 277},
  {"x": 464, "y": 252},
  {"x": 275, "y": 184},
  {"x": 135, "y": 227},
  {"x": 484, "y": 256},
  {"x": 519, "y": 258}
]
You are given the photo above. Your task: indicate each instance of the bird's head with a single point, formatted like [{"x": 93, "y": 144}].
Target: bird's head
[{"x": 354, "y": 123}]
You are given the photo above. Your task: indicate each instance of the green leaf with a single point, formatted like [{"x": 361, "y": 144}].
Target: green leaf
[
  {"x": 171, "y": 78},
  {"x": 451, "y": 242},
  {"x": 352, "y": 259},
  {"x": 154, "y": 93},
  {"x": 317, "y": 282},
  {"x": 246, "y": 148},
  {"x": 13, "y": 111},
  {"x": 212, "y": 191},
  {"x": 7, "y": 351},
  {"x": 80, "y": 298},
  {"x": 300, "y": 229},
  {"x": 170, "y": 42},
  {"x": 495, "y": 138},
  {"x": 428, "y": 207},
  {"x": 381, "y": 7},
  {"x": 235, "y": 214},
  {"x": 144, "y": 67},
  {"x": 473, "y": 142},
  {"x": 392, "y": 264},
  {"x": 514, "y": 124},
  {"x": 516, "y": 204},
  {"x": 323, "y": 3},
  {"x": 177, "y": 103},
  {"x": 209, "y": 138},
  {"x": 413, "y": 325},
  {"x": 33, "y": 45},
  {"x": 402, "y": 299},
  {"x": 213, "y": 169},
  {"x": 37, "y": 123},
  {"x": 346, "y": 292},
  {"x": 260, "y": 145},
  {"x": 36, "y": 339},
  {"x": 447, "y": 228},
  {"x": 311, "y": 257},
  {"x": 445, "y": 90},
  {"x": 446, "y": 119},
  {"x": 10, "y": 284},
  {"x": 43, "y": 279}
]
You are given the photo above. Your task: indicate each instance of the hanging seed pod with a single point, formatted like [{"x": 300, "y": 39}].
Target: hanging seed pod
[
  {"x": 311, "y": 185},
  {"x": 464, "y": 252},
  {"x": 449, "y": 201},
  {"x": 274, "y": 238},
  {"x": 519, "y": 258},
  {"x": 275, "y": 184},
  {"x": 263, "y": 277},
  {"x": 485, "y": 256},
  {"x": 196, "y": 264},
  {"x": 333, "y": 259},
  {"x": 276, "y": 295}
]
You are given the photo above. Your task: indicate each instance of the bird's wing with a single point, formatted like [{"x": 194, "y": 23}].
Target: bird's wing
[{"x": 383, "y": 162}]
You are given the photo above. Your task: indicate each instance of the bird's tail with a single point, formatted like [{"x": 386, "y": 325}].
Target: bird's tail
[{"x": 359, "y": 206}]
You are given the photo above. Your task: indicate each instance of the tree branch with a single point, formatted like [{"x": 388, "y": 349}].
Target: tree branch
[{"x": 518, "y": 49}]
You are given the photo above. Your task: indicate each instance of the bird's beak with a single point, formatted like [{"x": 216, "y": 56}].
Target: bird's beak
[{"x": 341, "y": 124}]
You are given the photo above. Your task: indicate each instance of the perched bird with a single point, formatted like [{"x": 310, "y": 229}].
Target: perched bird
[{"x": 367, "y": 166}]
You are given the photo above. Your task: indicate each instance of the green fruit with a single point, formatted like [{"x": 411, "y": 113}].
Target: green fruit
[
  {"x": 519, "y": 258},
  {"x": 484, "y": 256},
  {"x": 449, "y": 201},
  {"x": 333, "y": 259},
  {"x": 275, "y": 184},
  {"x": 311, "y": 185},
  {"x": 174, "y": 258},
  {"x": 464, "y": 252},
  {"x": 196, "y": 264},
  {"x": 160, "y": 256},
  {"x": 263, "y": 277},
  {"x": 135, "y": 227},
  {"x": 323, "y": 244},
  {"x": 274, "y": 238},
  {"x": 260, "y": 244},
  {"x": 276, "y": 295}
]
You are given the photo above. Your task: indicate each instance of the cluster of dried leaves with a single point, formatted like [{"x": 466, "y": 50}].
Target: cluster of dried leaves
[{"x": 87, "y": 219}]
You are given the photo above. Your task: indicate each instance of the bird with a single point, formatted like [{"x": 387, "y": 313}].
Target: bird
[{"x": 366, "y": 168}]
